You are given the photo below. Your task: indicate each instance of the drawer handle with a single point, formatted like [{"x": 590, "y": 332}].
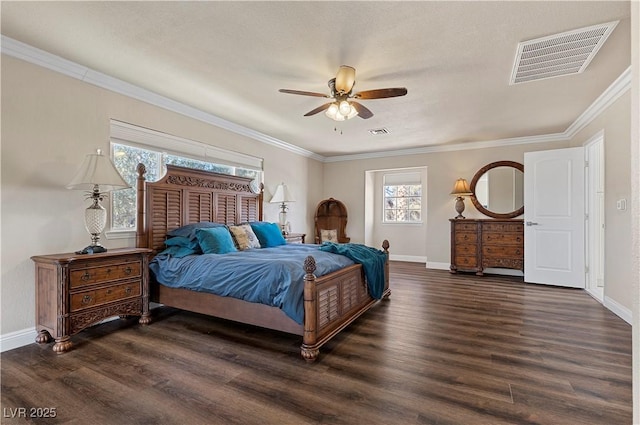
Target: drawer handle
[
  {"x": 86, "y": 299},
  {"x": 109, "y": 291},
  {"x": 128, "y": 271},
  {"x": 127, "y": 290},
  {"x": 86, "y": 276},
  {"x": 108, "y": 271}
]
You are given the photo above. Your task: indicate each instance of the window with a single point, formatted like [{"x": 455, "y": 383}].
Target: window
[
  {"x": 402, "y": 198},
  {"x": 128, "y": 153}
]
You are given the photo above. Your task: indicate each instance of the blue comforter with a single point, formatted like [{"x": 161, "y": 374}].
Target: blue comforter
[
  {"x": 278, "y": 271},
  {"x": 373, "y": 261}
]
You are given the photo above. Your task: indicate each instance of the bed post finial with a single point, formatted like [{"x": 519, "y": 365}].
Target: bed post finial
[
  {"x": 141, "y": 233},
  {"x": 309, "y": 349},
  {"x": 385, "y": 246}
]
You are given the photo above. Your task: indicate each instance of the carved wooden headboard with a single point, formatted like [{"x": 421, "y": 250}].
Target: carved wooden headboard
[{"x": 185, "y": 196}]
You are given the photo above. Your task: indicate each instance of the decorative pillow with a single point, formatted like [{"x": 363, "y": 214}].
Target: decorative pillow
[
  {"x": 328, "y": 235},
  {"x": 244, "y": 237},
  {"x": 181, "y": 241},
  {"x": 188, "y": 230},
  {"x": 215, "y": 240},
  {"x": 269, "y": 234},
  {"x": 180, "y": 251}
]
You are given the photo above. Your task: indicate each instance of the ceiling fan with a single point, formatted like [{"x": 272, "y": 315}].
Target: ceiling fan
[{"x": 341, "y": 91}]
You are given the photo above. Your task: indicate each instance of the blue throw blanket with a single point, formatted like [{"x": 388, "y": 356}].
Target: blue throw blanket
[{"x": 372, "y": 260}]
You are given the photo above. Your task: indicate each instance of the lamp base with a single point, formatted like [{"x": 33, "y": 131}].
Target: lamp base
[
  {"x": 459, "y": 207},
  {"x": 92, "y": 249}
]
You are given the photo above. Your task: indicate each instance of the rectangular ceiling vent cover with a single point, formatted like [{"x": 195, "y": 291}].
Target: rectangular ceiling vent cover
[
  {"x": 561, "y": 54},
  {"x": 377, "y": 131}
]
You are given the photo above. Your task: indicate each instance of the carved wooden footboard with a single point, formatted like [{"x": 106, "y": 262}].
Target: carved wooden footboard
[{"x": 333, "y": 301}]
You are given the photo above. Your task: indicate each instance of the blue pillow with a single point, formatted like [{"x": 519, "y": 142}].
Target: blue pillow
[
  {"x": 181, "y": 241},
  {"x": 180, "y": 251},
  {"x": 188, "y": 230},
  {"x": 269, "y": 234},
  {"x": 215, "y": 240}
]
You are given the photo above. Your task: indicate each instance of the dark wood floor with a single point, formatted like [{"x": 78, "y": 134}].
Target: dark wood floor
[{"x": 445, "y": 349}]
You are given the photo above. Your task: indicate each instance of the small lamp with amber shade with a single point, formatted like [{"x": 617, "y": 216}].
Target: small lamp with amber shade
[{"x": 460, "y": 190}]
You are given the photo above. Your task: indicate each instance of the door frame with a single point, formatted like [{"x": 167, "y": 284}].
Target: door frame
[{"x": 595, "y": 215}]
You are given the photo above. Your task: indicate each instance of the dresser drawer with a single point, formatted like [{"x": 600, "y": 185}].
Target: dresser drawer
[
  {"x": 464, "y": 262},
  {"x": 503, "y": 227},
  {"x": 86, "y": 299},
  {"x": 462, "y": 226},
  {"x": 502, "y": 251},
  {"x": 494, "y": 238},
  {"x": 466, "y": 250},
  {"x": 105, "y": 273},
  {"x": 466, "y": 238}
]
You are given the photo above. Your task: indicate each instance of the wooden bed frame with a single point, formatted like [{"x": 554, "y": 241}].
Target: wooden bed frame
[{"x": 184, "y": 196}]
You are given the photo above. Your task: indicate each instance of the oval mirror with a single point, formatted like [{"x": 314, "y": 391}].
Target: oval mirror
[{"x": 498, "y": 189}]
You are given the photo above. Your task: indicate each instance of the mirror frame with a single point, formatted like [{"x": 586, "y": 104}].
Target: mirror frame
[{"x": 479, "y": 174}]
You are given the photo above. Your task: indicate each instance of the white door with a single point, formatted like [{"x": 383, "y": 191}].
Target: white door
[{"x": 554, "y": 217}]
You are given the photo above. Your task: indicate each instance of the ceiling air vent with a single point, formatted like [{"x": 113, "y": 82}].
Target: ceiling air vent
[
  {"x": 560, "y": 54},
  {"x": 377, "y": 131}
]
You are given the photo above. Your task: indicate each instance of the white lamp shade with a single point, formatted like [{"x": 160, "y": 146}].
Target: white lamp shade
[
  {"x": 282, "y": 194},
  {"x": 97, "y": 169}
]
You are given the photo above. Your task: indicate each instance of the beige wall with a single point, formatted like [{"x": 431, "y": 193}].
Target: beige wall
[
  {"x": 616, "y": 123},
  {"x": 49, "y": 123},
  {"x": 345, "y": 181}
]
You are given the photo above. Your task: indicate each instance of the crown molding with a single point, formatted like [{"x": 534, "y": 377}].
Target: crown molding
[
  {"x": 610, "y": 95},
  {"x": 50, "y": 61},
  {"x": 545, "y": 138}
]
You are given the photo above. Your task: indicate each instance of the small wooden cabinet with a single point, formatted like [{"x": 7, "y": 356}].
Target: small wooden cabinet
[
  {"x": 479, "y": 244},
  {"x": 74, "y": 291},
  {"x": 295, "y": 237}
]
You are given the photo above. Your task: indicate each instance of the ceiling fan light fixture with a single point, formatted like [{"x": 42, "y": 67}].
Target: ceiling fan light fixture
[
  {"x": 345, "y": 108},
  {"x": 352, "y": 112},
  {"x": 341, "y": 111},
  {"x": 332, "y": 111}
]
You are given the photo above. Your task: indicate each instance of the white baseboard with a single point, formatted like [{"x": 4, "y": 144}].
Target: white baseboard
[
  {"x": 409, "y": 258},
  {"x": 504, "y": 272},
  {"x": 621, "y": 311},
  {"x": 17, "y": 339},
  {"x": 437, "y": 266}
]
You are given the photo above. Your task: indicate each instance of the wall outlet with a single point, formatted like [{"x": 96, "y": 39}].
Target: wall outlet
[{"x": 621, "y": 204}]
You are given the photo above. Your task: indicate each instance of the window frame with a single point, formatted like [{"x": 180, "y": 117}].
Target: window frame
[
  {"x": 407, "y": 209},
  {"x": 164, "y": 145}
]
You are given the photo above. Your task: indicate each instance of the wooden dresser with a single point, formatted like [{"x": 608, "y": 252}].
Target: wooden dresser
[
  {"x": 74, "y": 291},
  {"x": 479, "y": 244}
]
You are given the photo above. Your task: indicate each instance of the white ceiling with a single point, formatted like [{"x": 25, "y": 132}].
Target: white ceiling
[{"x": 230, "y": 58}]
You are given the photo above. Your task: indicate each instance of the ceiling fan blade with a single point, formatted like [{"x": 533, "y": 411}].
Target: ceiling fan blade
[
  {"x": 345, "y": 79},
  {"x": 318, "y": 109},
  {"x": 381, "y": 93},
  {"x": 303, "y": 93},
  {"x": 363, "y": 112}
]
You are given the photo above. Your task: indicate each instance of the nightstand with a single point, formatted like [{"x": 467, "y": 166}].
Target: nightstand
[
  {"x": 75, "y": 291},
  {"x": 295, "y": 237}
]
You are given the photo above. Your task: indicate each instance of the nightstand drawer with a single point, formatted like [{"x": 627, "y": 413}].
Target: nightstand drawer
[
  {"x": 96, "y": 297},
  {"x": 105, "y": 273}
]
